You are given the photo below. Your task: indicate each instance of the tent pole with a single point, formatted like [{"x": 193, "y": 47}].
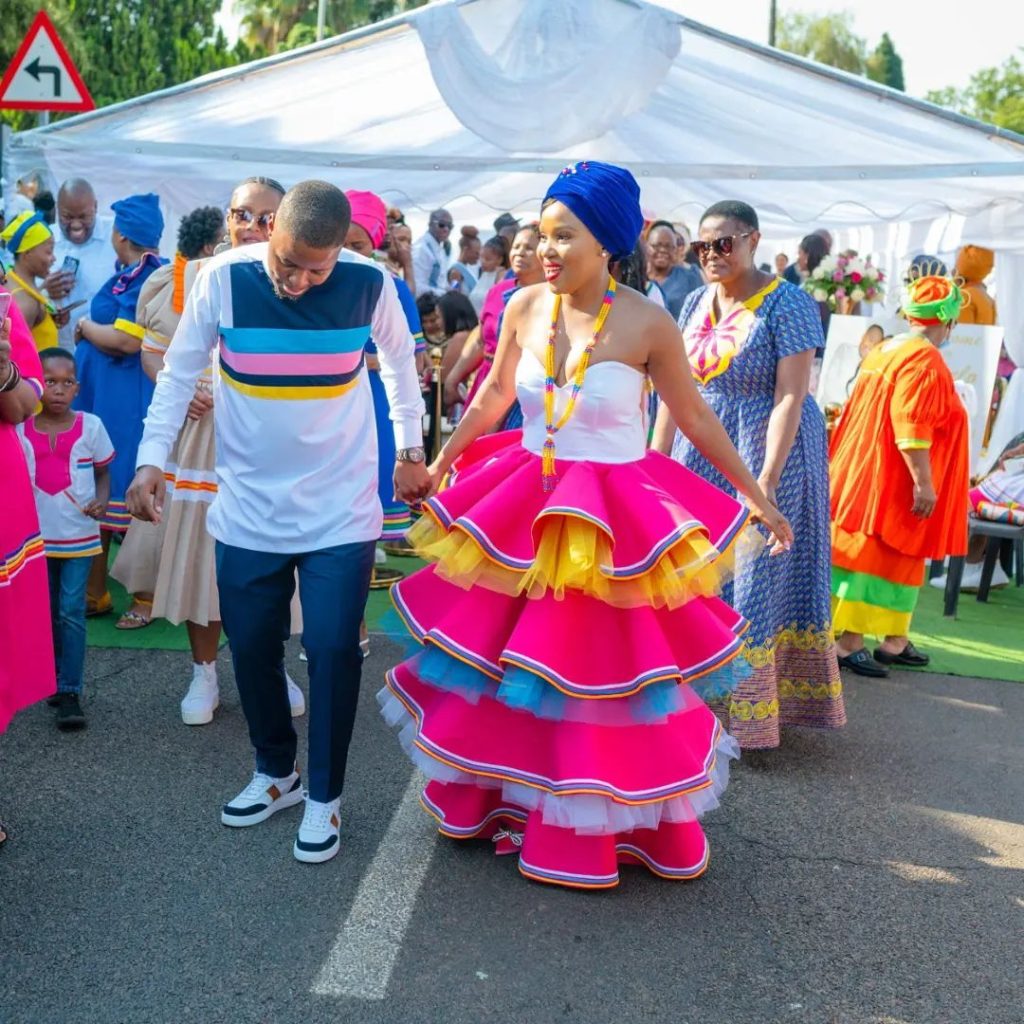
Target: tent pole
[
  {"x": 772, "y": 15},
  {"x": 321, "y": 18}
]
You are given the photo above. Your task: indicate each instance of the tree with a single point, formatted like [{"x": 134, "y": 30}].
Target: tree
[
  {"x": 828, "y": 39},
  {"x": 126, "y": 48},
  {"x": 993, "y": 95},
  {"x": 277, "y": 25},
  {"x": 885, "y": 65}
]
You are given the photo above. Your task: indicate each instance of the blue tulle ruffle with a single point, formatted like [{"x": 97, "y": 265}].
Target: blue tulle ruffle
[{"x": 521, "y": 690}]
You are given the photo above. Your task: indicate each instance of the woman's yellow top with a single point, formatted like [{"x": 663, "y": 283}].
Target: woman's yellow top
[{"x": 45, "y": 332}]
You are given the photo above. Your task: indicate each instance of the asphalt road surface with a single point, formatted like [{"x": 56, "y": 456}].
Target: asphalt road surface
[{"x": 872, "y": 875}]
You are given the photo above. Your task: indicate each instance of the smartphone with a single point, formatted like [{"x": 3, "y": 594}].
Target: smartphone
[
  {"x": 69, "y": 266},
  {"x": 5, "y": 304},
  {"x": 73, "y": 305}
]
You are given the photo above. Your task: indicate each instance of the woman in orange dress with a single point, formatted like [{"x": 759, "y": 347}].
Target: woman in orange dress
[{"x": 899, "y": 475}]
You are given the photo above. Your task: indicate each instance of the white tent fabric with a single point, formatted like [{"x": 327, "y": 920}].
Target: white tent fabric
[
  {"x": 529, "y": 72},
  {"x": 414, "y": 109}
]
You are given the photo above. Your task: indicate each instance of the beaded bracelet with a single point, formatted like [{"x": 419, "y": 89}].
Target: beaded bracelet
[{"x": 13, "y": 379}]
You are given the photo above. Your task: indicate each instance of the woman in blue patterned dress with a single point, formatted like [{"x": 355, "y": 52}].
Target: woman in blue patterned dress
[{"x": 751, "y": 339}]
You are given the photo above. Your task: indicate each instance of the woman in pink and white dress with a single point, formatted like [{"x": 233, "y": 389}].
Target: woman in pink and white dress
[{"x": 570, "y": 609}]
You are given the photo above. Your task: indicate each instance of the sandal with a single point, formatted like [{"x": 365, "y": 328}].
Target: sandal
[
  {"x": 94, "y": 608},
  {"x": 133, "y": 619}
]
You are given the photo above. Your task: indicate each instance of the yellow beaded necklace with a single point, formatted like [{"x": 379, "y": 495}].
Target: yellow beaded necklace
[{"x": 549, "y": 474}]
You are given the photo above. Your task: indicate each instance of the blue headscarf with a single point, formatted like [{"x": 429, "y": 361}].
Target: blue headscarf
[
  {"x": 139, "y": 219},
  {"x": 607, "y": 199}
]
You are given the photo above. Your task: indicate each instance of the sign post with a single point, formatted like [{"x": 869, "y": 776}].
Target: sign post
[{"x": 42, "y": 76}]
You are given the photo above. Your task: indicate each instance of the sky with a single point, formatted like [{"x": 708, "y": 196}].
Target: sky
[{"x": 960, "y": 37}]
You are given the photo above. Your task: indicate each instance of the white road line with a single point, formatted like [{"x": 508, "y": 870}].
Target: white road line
[{"x": 364, "y": 954}]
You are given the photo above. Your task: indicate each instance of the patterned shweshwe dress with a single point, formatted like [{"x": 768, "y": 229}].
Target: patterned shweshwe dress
[{"x": 786, "y": 598}]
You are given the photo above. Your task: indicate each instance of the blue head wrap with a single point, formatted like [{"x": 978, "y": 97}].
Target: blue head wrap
[
  {"x": 607, "y": 199},
  {"x": 138, "y": 218}
]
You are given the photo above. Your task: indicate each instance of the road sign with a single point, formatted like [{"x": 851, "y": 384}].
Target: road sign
[{"x": 42, "y": 75}]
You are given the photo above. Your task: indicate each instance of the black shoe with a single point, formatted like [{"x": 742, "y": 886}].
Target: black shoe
[
  {"x": 69, "y": 712},
  {"x": 909, "y": 656},
  {"x": 863, "y": 664}
]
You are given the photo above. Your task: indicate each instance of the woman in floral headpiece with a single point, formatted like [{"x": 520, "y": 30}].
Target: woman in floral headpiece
[
  {"x": 900, "y": 473},
  {"x": 570, "y": 610}
]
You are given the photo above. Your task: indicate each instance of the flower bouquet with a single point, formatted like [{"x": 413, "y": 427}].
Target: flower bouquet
[{"x": 843, "y": 281}]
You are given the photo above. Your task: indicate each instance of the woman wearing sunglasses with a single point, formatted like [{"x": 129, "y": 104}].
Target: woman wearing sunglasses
[{"x": 751, "y": 339}]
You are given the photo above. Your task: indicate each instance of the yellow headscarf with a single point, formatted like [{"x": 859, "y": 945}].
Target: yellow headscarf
[{"x": 25, "y": 232}]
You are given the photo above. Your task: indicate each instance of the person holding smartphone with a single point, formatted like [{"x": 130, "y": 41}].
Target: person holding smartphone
[
  {"x": 84, "y": 257},
  {"x": 29, "y": 239}
]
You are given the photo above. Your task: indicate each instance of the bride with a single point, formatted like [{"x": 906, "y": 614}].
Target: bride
[{"x": 568, "y": 624}]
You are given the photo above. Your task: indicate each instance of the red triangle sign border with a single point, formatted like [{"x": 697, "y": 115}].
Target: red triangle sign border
[{"x": 42, "y": 23}]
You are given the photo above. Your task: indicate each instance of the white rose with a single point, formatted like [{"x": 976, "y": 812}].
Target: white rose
[
  {"x": 856, "y": 266},
  {"x": 820, "y": 295},
  {"x": 819, "y": 273},
  {"x": 857, "y": 294}
]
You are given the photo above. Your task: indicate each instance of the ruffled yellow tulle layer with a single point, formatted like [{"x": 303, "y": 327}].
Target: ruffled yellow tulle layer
[{"x": 570, "y": 555}]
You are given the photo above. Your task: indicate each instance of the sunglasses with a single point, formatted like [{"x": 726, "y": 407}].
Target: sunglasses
[
  {"x": 444, "y": 224},
  {"x": 240, "y": 215},
  {"x": 722, "y": 246}
]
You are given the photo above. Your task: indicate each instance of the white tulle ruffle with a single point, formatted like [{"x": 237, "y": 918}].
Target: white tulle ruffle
[{"x": 585, "y": 814}]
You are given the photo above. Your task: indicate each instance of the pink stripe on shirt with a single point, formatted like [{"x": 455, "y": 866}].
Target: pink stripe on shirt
[{"x": 288, "y": 364}]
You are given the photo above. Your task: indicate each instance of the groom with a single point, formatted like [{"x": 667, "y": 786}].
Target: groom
[{"x": 297, "y": 479}]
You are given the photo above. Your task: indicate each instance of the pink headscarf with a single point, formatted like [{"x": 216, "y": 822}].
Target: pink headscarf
[{"x": 370, "y": 213}]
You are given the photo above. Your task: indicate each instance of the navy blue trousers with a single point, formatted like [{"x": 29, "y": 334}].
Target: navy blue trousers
[{"x": 256, "y": 589}]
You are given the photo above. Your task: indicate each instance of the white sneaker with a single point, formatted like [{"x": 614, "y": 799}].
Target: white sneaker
[
  {"x": 319, "y": 834},
  {"x": 263, "y": 797},
  {"x": 203, "y": 697},
  {"x": 295, "y": 698},
  {"x": 972, "y": 577}
]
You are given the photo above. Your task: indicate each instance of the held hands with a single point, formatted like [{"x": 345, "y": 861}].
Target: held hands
[
  {"x": 145, "y": 498},
  {"x": 925, "y": 499},
  {"x": 413, "y": 482}
]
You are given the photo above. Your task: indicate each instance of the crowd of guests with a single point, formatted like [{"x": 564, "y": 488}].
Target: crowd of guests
[{"x": 95, "y": 308}]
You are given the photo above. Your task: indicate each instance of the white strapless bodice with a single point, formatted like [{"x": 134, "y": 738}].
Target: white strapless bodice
[{"x": 609, "y": 423}]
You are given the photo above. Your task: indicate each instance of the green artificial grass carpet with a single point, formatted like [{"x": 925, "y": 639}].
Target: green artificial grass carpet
[
  {"x": 160, "y": 635},
  {"x": 984, "y": 641}
]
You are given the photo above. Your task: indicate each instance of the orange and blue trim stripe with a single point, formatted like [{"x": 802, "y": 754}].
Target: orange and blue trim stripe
[
  {"x": 117, "y": 518},
  {"x": 78, "y": 547},
  {"x": 14, "y": 561}
]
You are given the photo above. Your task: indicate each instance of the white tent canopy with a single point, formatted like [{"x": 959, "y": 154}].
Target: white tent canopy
[
  {"x": 477, "y": 104},
  {"x": 485, "y": 100}
]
